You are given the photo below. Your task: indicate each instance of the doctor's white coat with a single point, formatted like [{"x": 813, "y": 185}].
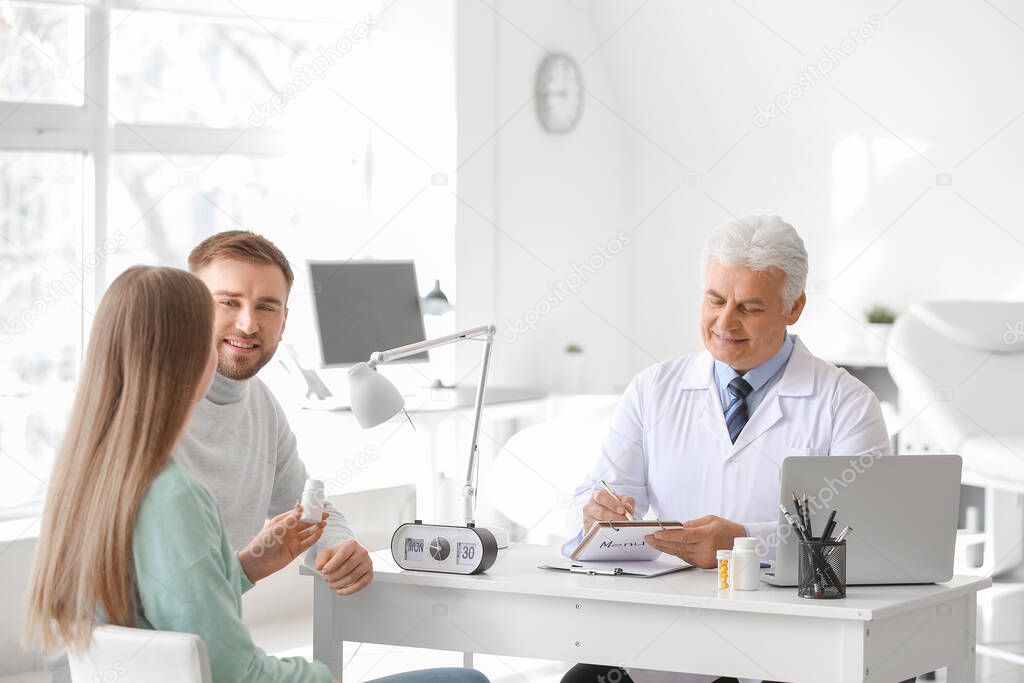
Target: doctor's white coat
[{"x": 669, "y": 448}]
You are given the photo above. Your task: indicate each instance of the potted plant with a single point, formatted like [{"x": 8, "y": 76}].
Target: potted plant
[
  {"x": 880, "y": 319},
  {"x": 572, "y": 369}
]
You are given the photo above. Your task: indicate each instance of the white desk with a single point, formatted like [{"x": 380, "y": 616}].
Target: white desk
[{"x": 674, "y": 623}]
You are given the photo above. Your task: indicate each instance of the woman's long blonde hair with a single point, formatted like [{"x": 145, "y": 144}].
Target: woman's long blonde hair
[{"x": 150, "y": 345}]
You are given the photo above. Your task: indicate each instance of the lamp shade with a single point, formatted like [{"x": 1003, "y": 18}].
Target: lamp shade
[
  {"x": 374, "y": 399},
  {"x": 435, "y": 302}
]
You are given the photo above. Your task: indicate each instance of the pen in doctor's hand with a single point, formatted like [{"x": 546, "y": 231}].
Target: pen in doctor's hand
[
  {"x": 607, "y": 507},
  {"x": 608, "y": 490}
]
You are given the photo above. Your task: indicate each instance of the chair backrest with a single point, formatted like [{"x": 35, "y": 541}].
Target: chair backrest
[
  {"x": 534, "y": 475},
  {"x": 141, "y": 656},
  {"x": 959, "y": 366}
]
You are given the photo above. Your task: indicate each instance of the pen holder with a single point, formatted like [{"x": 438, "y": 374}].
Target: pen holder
[{"x": 822, "y": 573}]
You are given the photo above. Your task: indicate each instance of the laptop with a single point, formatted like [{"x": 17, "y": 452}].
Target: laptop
[{"x": 903, "y": 509}]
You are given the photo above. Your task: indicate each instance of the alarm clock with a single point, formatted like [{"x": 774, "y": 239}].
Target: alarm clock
[{"x": 439, "y": 548}]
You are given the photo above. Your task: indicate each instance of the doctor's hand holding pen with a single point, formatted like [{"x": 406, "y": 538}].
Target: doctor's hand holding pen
[{"x": 607, "y": 506}]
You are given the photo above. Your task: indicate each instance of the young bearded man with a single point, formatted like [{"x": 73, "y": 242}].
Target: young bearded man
[{"x": 239, "y": 444}]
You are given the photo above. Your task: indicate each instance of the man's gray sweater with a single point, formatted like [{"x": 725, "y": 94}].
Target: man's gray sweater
[{"x": 240, "y": 447}]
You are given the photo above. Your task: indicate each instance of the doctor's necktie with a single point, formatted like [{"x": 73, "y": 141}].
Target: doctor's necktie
[{"x": 736, "y": 415}]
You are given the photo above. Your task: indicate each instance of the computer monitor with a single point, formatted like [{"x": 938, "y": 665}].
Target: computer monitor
[{"x": 365, "y": 306}]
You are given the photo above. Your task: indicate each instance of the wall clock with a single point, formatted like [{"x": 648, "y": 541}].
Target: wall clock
[{"x": 559, "y": 89}]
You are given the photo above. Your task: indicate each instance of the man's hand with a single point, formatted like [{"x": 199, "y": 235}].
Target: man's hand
[
  {"x": 282, "y": 539},
  {"x": 347, "y": 567},
  {"x": 602, "y": 507},
  {"x": 698, "y": 540}
]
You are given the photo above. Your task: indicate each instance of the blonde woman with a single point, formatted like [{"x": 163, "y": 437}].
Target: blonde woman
[{"x": 129, "y": 537}]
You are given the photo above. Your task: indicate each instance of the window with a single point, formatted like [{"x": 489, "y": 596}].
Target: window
[
  {"x": 161, "y": 217},
  {"x": 168, "y": 68},
  {"x": 41, "y": 200},
  {"x": 42, "y": 50},
  {"x": 130, "y": 132}
]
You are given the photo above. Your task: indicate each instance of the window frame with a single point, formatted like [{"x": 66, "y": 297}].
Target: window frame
[{"x": 90, "y": 129}]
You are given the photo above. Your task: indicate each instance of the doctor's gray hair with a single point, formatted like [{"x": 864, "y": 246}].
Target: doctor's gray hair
[{"x": 760, "y": 243}]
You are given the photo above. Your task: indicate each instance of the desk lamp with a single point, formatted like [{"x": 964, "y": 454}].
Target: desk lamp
[
  {"x": 435, "y": 302},
  {"x": 418, "y": 546}
]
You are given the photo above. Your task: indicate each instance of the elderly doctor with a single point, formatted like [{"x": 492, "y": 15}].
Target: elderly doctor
[{"x": 701, "y": 438}]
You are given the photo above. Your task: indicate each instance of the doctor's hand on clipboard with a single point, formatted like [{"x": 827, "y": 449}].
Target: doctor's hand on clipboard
[
  {"x": 605, "y": 507},
  {"x": 698, "y": 540}
]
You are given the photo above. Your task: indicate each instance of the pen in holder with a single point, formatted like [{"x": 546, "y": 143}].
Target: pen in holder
[{"x": 822, "y": 572}]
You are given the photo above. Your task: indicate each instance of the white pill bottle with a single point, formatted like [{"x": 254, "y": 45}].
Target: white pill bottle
[
  {"x": 313, "y": 497},
  {"x": 745, "y": 566}
]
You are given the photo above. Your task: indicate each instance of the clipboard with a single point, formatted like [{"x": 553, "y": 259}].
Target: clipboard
[
  {"x": 639, "y": 568},
  {"x": 620, "y": 541}
]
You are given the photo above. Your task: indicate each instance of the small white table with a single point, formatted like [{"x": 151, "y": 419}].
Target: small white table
[{"x": 678, "y": 622}]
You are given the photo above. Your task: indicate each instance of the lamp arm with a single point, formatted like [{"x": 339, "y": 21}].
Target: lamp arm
[
  {"x": 382, "y": 357},
  {"x": 469, "y": 490}
]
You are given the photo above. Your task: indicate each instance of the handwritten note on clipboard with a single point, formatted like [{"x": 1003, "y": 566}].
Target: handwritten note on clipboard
[{"x": 620, "y": 541}]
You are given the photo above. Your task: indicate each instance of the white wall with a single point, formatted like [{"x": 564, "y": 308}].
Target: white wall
[
  {"x": 532, "y": 204},
  {"x": 941, "y": 78},
  {"x": 669, "y": 127},
  {"x": 395, "y": 134}
]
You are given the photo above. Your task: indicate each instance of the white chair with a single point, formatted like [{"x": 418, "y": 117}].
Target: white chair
[
  {"x": 138, "y": 655},
  {"x": 534, "y": 474},
  {"x": 959, "y": 367}
]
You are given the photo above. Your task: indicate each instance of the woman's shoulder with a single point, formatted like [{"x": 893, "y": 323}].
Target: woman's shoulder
[
  {"x": 175, "y": 493},
  {"x": 173, "y": 482},
  {"x": 178, "y": 523}
]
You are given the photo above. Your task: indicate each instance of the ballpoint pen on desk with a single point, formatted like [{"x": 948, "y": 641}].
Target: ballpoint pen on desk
[{"x": 608, "y": 490}]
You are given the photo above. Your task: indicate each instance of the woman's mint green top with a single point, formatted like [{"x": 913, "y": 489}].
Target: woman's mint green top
[{"x": 188, "y": 579}]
